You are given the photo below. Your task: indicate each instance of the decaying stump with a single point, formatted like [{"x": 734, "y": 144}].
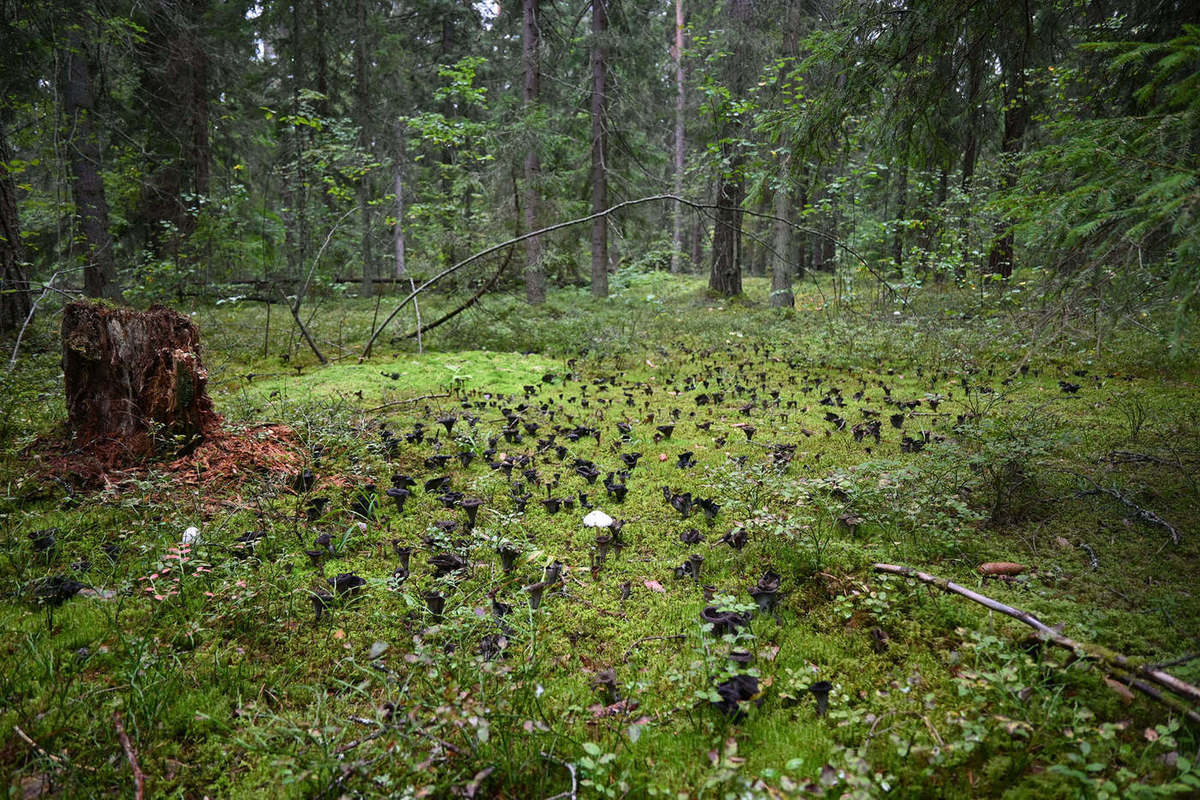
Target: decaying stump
[{"x": 134, "y": 380}]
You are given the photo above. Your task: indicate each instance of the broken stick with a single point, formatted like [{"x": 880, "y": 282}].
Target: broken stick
[
  {"x": 139, "y": 778},
  {"x": 1108, "y": 659}
]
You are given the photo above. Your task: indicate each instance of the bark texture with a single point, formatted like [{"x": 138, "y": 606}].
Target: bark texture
[
  {"x": 680, "y": 109},
  {"x": 134, "y": 379},
  {"x": 14, "y": 284},
  {"x": 87, "y": 184},
  {"x": 599, "y": 147},
  {"x": 535, "y": 276}
]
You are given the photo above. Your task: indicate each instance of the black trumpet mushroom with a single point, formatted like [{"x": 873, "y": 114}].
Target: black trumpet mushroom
[
  {"x": 445, "y": 563},
  {"x": 437, "y": 461},
  {"x": 691, "y": 537},
  {"x": 465, "y": 457},
  {"x": 363, "y": 504},
  {"x": 603, "y": 542},
  {"x": 448, "y": 423},
  {"x": 735, "y": 691},
  {"x": 820, "y": 690},
  {"x": 694, "y": 563},
  {"x": 616, "y": 491},
  {"x": 347, "y": 584},
  {"x": 736, "y": 538},
  {"x": 535, "y": 591},
  {"x": 56, "y": 590},
  {"x": 403, "y": 553},
  {"x": 630, "y": 459},
  {"x": 766, "y": 592},
  {"x": 723, "y": 622},
  {"x": 710, "y": 508},
  {"x": 552, "y": 572},
  {"x": 399, "y": 497},
  {"x": 450, "y": 499},
  {"x": 304, "y": 481},
  {"x": 508, "y": 556},
  {"x": 321, "y": 601},
  {"x": 606, "y": 683},
  {"x": 471, "y": 506},
  {"x": 402, "y": 481},
  {"x": 436, "y": 603},
  {"x": 686, "y": 461},
  {"x": 439, "y": 484}
]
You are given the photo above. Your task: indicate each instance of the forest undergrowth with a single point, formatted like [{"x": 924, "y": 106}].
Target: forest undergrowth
[{"x": 426, "y": 603}]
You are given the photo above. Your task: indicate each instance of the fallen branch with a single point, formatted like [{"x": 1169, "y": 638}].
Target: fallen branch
[
  {"x": 139, "y": 779},
  {"x": 484, "y": 289},
  {"x": 61, "y": 761},
  {"x": 1155, "y": 694},
  {"x": 1144, "y": 514},
  {"x": 589, "y": 218},
  {"x": 571, "y": 769},
  {"x": 1174, "y": 662},
  {"x": 644, "y": 639},
  {"x": 1109, "y": 660},
  {"x": 405, "y": 401}
]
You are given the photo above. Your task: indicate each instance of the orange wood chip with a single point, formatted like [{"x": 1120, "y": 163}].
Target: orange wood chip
[{"x": 1001, "y": 568}]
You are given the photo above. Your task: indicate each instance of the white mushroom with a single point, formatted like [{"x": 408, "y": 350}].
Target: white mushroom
[{"x": 597, "y": 519}]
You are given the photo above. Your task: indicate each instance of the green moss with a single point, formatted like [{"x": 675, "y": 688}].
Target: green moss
[{"x": 271, "y": 701}]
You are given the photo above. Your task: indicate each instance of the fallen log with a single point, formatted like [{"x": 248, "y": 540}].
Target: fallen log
[{"x": 1109, "y": 660}]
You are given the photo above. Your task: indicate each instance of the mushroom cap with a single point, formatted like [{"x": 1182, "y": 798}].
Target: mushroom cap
[{"x": 597, "y": 519}]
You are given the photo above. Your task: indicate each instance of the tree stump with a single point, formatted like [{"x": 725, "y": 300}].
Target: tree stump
[{"x": 135, "y": 383}]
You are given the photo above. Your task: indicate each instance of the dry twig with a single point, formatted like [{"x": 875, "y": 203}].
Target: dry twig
[
  {"x": 569, "y": 768},
  {"x": 139, "y": 778},
  {"x": 1109, "y": 660}
]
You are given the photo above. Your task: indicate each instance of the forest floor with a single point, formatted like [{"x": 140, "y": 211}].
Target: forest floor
[{"x": 787, "y": 452}]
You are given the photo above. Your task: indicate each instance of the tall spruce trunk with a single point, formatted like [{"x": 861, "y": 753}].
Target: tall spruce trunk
[
  {"x": 1016, "y": 119},
  {"x": 87, "y": 184},
  {"x": 680, "y": 108},
  {"x": 14, "y": 284},
  {"x": 362, "y": 100},
  {"x": 781, "y": 236},
  {"x": 726, "y": 275},
  {"x": 535, "y": 275},
  {"x": 398, "y": 242},
  {"x": 599, "y": 147}
]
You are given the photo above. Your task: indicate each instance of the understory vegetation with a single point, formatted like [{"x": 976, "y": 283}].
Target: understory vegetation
[{"x": 298, "y": 631}]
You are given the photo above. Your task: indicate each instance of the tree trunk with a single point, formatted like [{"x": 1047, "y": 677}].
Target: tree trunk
[
  {"x": 362, "y": 100},
  {"x": 1016, "y": 119},
  {"x": 401, "y": 269},
  {"x": 726, "y": 275},
  {"x": 135, "y": 384},
  {"x": 680, "y": 108},
  {"x": 599, "y": 147},
  {"x": 87, "y": 184},
  {"x": 781, "y": 267},
  {"x": 14, "y": 284},
  {"x": 725, "y": 278},
  {"x": 535, "y": 276},
  {"x": 174, "y": 83}
]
